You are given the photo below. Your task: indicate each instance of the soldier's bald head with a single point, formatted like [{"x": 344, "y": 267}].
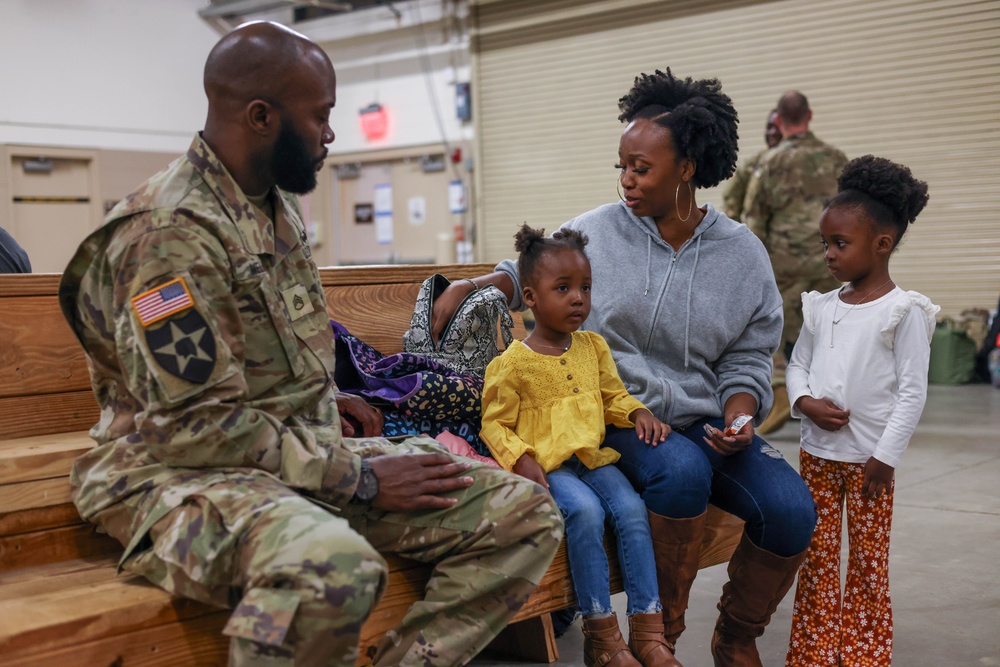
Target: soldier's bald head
[
  {"x": 793, "y": 108},
  {"x": 270, "y": 92},
  {"x": 257, "y": 61}
]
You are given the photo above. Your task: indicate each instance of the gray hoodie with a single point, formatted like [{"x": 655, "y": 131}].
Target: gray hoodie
[{"x": 688, "y": 329}]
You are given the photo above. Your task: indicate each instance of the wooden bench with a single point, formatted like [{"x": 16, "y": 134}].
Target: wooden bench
[{"x": 60, "y": 599}]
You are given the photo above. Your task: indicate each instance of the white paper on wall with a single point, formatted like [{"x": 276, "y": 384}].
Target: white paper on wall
[
  {"x": 456, "y": 197},
  {"x": 383, "y": 199},
  {"x": 383, "y": 227},
  {"x": 418, "y": 210}
]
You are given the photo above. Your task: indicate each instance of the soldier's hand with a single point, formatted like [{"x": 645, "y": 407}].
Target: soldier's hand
[
  {"x": 368, "y": 416},
  {"x": 409, "y": 482}
]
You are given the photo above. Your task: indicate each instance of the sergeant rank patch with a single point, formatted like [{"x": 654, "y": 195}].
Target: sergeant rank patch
[{"x": 184, "y": 346}]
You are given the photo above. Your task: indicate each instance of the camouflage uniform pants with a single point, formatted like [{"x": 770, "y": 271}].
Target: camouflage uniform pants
[
  {"x": 794, "y": 277},
  {"x": 304, "y": 580}
]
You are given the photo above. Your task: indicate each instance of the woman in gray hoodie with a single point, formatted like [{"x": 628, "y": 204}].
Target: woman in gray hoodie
[{"x": 687, "y": 301}]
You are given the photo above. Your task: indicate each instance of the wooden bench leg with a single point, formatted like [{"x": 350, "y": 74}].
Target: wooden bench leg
[{"x": 531, "y": 639}]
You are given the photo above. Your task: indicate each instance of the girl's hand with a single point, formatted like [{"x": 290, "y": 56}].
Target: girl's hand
[
  {"x": 648, "y": 428},
  {"x": 727, "y": 445},
  {"x": 878, "y": 478},
  {"x": 527, "y": 466},
  {"x": 824, "y": 413}
]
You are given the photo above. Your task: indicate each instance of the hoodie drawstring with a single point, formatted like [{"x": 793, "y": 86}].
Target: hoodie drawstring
[
  {"x": 687, "y": 326},
  {"x": 649, "y": 260}
]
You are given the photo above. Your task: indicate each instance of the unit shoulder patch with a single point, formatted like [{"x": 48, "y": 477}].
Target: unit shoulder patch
[{"x": 184, "y": 347}]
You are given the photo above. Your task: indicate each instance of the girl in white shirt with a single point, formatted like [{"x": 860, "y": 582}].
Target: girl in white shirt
[{"x": 858, "y": 380}]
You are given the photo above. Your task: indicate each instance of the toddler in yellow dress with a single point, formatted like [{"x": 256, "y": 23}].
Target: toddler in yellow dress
[{"x": 545, "y": 406}]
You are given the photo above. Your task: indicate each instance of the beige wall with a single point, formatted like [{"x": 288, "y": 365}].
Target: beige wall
[
  {"x": 123, "y": 171},
  {"x": 50, "y": 213},
  {"x": 911, "y": 80},
  {"x": 50, "y": 231},
  {"x": 413, "y": 241}
]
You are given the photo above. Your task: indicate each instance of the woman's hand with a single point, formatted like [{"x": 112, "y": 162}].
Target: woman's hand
[
  {"x": 878, "y": 478},
  {"x": 354, "y": 412},
  {"x": 648, "y": 428},
  {"x": 527, "y": 466},
  {"x": 824, "y": 413},
  {"x": 447, "y": 302},
  {"x": 446, "y": 305},
  {"x": 727, "y": 445}
]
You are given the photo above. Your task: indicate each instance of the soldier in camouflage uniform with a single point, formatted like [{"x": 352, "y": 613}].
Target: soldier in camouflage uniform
[
  {"x": 221, "y": 462},
  {"x": 736, "y": 191},
  {"x": 782, "y": 206}
]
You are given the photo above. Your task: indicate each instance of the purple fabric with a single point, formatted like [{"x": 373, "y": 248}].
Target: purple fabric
[
  {"x": 393, "y": 378},
  {"x": 417, "y": 394}
]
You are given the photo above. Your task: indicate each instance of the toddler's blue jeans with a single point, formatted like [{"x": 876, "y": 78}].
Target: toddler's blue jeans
[
  {"x": 680, "y": 476},
  {"x": 586, "y": 497}
]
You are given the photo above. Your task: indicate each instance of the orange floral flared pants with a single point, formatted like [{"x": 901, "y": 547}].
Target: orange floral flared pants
[{"x": 853, "y": 629}]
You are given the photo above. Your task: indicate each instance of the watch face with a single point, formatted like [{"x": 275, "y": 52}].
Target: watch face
[{"x": 367, "y": 485}]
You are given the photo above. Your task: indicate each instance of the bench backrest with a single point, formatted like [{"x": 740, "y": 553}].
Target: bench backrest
[
  {"x": 47, "y": 406},
  {"x": 44, "y": 382}
]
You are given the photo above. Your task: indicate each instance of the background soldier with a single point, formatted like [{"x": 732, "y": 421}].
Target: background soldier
[
  {"x": 783, "y": 203},
  {"x": 736, "y": 191},
  {"x": 220, "y": 461}
]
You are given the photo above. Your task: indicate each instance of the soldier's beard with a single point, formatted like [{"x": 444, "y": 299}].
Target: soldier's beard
[{"x": 294, "y": 168}]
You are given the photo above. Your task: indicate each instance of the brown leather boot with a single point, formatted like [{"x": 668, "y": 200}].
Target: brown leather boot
[
  {"x": 758, "y": 580},
  {"x": 645, "y": 639},
  {"x": 603, "y": 645},
  {"x": 676, "y": 547}
]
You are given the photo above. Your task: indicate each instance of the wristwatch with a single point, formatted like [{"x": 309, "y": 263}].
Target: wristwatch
[{"x": 367, "y": 485}]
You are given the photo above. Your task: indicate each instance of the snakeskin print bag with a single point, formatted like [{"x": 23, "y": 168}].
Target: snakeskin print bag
[{"x": 469, "y": 341}]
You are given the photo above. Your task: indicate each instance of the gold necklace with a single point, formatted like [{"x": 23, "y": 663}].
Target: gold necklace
[
  {"x": 550, "y": 347},
  {"x": 836, "y": 306}
]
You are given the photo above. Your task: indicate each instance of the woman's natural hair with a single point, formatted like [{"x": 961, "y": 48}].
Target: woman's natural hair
[
  {"x": 532, "y": 244},
  {"x": 887, "y": 192},
  {"x": 700, "y": 117}
]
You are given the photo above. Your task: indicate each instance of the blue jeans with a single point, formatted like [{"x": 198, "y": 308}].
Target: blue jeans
[
  {"x": 585, "y": 498},
  {"x": 680, "y": 476}
]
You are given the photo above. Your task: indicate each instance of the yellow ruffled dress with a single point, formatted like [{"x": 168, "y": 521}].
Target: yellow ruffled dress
[{"x": 555, "y": 407}]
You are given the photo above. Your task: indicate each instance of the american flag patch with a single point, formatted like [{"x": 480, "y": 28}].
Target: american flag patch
[{"x": 161, "y": 302}]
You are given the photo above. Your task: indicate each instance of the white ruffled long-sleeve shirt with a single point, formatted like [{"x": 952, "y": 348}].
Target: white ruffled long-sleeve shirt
[{"x": 873, "y": 362}]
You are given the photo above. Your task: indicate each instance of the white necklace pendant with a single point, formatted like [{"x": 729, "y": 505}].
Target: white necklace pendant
[{"x": 834, "y": 318}]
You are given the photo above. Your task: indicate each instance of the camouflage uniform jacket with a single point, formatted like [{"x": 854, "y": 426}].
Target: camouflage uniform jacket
[
  {"x": 209, "y": 347},
  {"x": 786, "y": 195},
  {"x": 736, "y": 191}
]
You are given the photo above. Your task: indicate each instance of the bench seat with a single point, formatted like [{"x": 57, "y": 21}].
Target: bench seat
[{"x": 61, "y": 600}]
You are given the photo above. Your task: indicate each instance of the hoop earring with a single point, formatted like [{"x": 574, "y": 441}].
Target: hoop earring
[{"x": 677, "y": 206}]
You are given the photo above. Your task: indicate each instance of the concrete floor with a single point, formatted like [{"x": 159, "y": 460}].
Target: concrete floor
[{"x": 945, "y": 554}]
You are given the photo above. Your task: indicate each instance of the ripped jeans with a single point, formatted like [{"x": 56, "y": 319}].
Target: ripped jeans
[
  {"x": 586, "y": 497},
  {"x": 679, "y": 477}
]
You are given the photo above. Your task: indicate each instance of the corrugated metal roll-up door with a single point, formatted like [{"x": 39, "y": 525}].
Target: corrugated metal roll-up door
[{"x": 917, "y": 81}]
